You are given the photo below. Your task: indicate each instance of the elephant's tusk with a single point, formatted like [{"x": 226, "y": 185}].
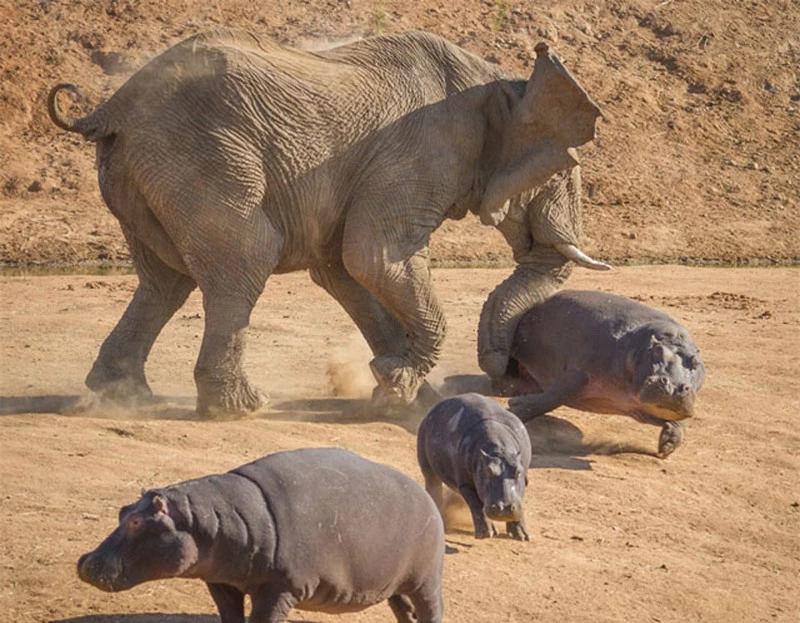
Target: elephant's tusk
[{"x": 571, "y": 252}]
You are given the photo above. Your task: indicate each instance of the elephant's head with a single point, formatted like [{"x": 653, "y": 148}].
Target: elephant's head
[
  {"x": 533, "y": 135},
  {"x": 533, "y": 195}
]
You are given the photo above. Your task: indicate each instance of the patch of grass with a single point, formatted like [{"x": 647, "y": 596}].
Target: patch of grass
[{"x": 501, "y": 16}]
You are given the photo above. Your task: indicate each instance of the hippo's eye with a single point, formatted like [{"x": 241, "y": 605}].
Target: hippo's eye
[
  {"x": 692, "y": 363},
  {"x": 135, "y": 522}
]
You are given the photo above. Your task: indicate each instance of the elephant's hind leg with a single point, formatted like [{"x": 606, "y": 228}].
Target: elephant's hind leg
[
  {"x": 118, "y": 372},
  {"x": 231, "y": 278}
]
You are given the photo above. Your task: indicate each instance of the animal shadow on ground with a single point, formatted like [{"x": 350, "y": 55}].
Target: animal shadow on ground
[
  {"x": 559, "y": 443},
  {"x": 345, "y": 411},
  {"x": 91, "y": 405},
  {"x": 143, "y": 618}
]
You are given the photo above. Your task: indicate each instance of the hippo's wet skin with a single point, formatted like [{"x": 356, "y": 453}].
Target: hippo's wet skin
[
  {"x": 605, "y": 353},
  {"x": 315, "y": 529}
]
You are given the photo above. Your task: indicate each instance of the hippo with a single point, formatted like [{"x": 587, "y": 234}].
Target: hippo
[
  {"x": 315, "y": 529},
  {"x": 478, "y": 448},
  {"x": 605, "y": 353}
]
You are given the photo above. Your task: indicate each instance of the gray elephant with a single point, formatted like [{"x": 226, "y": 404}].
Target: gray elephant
[{"x": 229, "y": 158}]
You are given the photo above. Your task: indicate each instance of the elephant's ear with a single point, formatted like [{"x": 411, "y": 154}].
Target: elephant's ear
[
  {"x": 556, "y": 104},
  {"x": 554, "y": 116}
]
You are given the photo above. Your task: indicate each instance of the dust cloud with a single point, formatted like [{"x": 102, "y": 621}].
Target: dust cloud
[{"x": 348, "y": 369}]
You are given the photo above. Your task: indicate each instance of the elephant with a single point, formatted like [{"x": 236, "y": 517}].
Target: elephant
[{"x": 230, "y": 157}]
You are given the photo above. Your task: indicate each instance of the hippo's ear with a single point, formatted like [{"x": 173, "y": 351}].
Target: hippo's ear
[
  {"x": 160, "y": 505},
  {"x": 125, "y": 510}
]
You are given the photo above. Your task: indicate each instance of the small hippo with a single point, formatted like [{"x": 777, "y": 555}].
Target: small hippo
[
  {"x": 316, "y": 529},
  {"x": 479, "y": 449},
  {"x": 607, "y": 354}
]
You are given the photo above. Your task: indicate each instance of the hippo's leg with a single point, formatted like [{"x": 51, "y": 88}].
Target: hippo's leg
[
  {"x": 230, "y": 602},
  {"x": 271, "y": 604},
  {"x": 484, "y": 528},
  {"x": 564, "y": 390},
  {"x": 402, "y": 608},
  {"x": 671, "y": 437},
  {"x": 518, "y": 530},
  {"x": 433, "y": 485},
  {"x": 428, "y": 602}
]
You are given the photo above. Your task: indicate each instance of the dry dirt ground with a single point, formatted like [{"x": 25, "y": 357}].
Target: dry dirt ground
[{"x": 708, "y": 535}]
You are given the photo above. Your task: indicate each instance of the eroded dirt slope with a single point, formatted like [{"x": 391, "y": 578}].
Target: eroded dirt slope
[{"x": 698, "y": 159}]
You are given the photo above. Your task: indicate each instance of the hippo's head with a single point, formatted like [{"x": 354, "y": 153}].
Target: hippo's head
[
  {"x": 666, "y": 371},
  {"x": 145, "y": 546},
  {"x": 500, "y": 480}
]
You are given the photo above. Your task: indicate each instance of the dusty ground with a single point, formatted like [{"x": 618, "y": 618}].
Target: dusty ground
[
  {"x": 710, "y": 535},
  {"x": 698, "y": 161}
]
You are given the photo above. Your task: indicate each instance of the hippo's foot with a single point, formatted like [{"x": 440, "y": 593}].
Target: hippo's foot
[
  {"x": 230, "y": 399},
  {"x": 527, "y": 407},
  {"x": 403, "y": 609},
  {"x": 517, "y": 530},
  {"x": 486, "y": 530},
  {"x": 671, "y": 437},
  {"x": 116, "y": 385},
  {"x": 398, "y": 381}
]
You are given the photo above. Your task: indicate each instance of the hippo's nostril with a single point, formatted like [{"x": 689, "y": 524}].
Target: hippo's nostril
[{"x": 683, "y": 389}]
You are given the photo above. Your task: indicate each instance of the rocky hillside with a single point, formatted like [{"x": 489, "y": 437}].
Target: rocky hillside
[{"x": 698, "y": 159}]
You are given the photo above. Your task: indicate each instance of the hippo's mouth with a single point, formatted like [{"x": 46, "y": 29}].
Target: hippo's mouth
[
  {"x": 671, "y": 410},
  {"x": 107, "y": 577},
  {"x": 505, "y": 514},
  {"x": 661, "y": 399}
]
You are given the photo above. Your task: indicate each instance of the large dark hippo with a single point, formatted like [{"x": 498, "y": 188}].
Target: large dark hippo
[
  {"x": 316, "y": 529},
  {"x": 478, "y": 448},
  {"x": 607, "y": 354}
]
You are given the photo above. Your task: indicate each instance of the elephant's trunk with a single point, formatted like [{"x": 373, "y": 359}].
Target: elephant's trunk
[{"x": 532, "y": 281}]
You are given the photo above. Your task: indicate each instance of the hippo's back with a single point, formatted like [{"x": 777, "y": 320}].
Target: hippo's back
[{"x": 346, "y": 525}]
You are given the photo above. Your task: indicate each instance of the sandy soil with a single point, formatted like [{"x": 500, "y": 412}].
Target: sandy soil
[{"x": 710, "y": 534}]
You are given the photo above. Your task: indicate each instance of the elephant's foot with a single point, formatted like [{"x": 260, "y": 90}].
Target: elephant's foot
[
  {"x": 229, "y": 399},
  {"x": 671, "y": 438},
  {"x": 399, "y": 382},
  {"x": 111, "y": 383},
  {"x": 494, "y": 362}
]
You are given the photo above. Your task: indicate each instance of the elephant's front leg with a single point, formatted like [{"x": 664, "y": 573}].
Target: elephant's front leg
[
  {"x": 404, "y": 289},
  {"x": 380, "y": 329},
  {"x": 222, "y": 385}
]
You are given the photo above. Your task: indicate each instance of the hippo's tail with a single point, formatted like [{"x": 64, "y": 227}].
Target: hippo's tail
[{"x": 94, "y": 126}]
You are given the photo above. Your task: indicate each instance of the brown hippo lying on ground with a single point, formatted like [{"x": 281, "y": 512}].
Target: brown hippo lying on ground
[
  {"x": 479, "y": 449},
  {"x": 317, "y": 529},
  {"x": 607, "y": 354}
]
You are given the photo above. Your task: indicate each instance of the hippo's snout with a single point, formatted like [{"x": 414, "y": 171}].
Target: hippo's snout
[
  {"x": 93, "y": 570},
  {"x": 666, "y": 399},
  {"x": 503, "y": 511}
]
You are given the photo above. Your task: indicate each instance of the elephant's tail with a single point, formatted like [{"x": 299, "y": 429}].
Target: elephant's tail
[{"x": 94, "y": 126}]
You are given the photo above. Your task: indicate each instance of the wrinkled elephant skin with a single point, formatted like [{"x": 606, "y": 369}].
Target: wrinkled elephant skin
[{"x": 229, "y": 158}]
